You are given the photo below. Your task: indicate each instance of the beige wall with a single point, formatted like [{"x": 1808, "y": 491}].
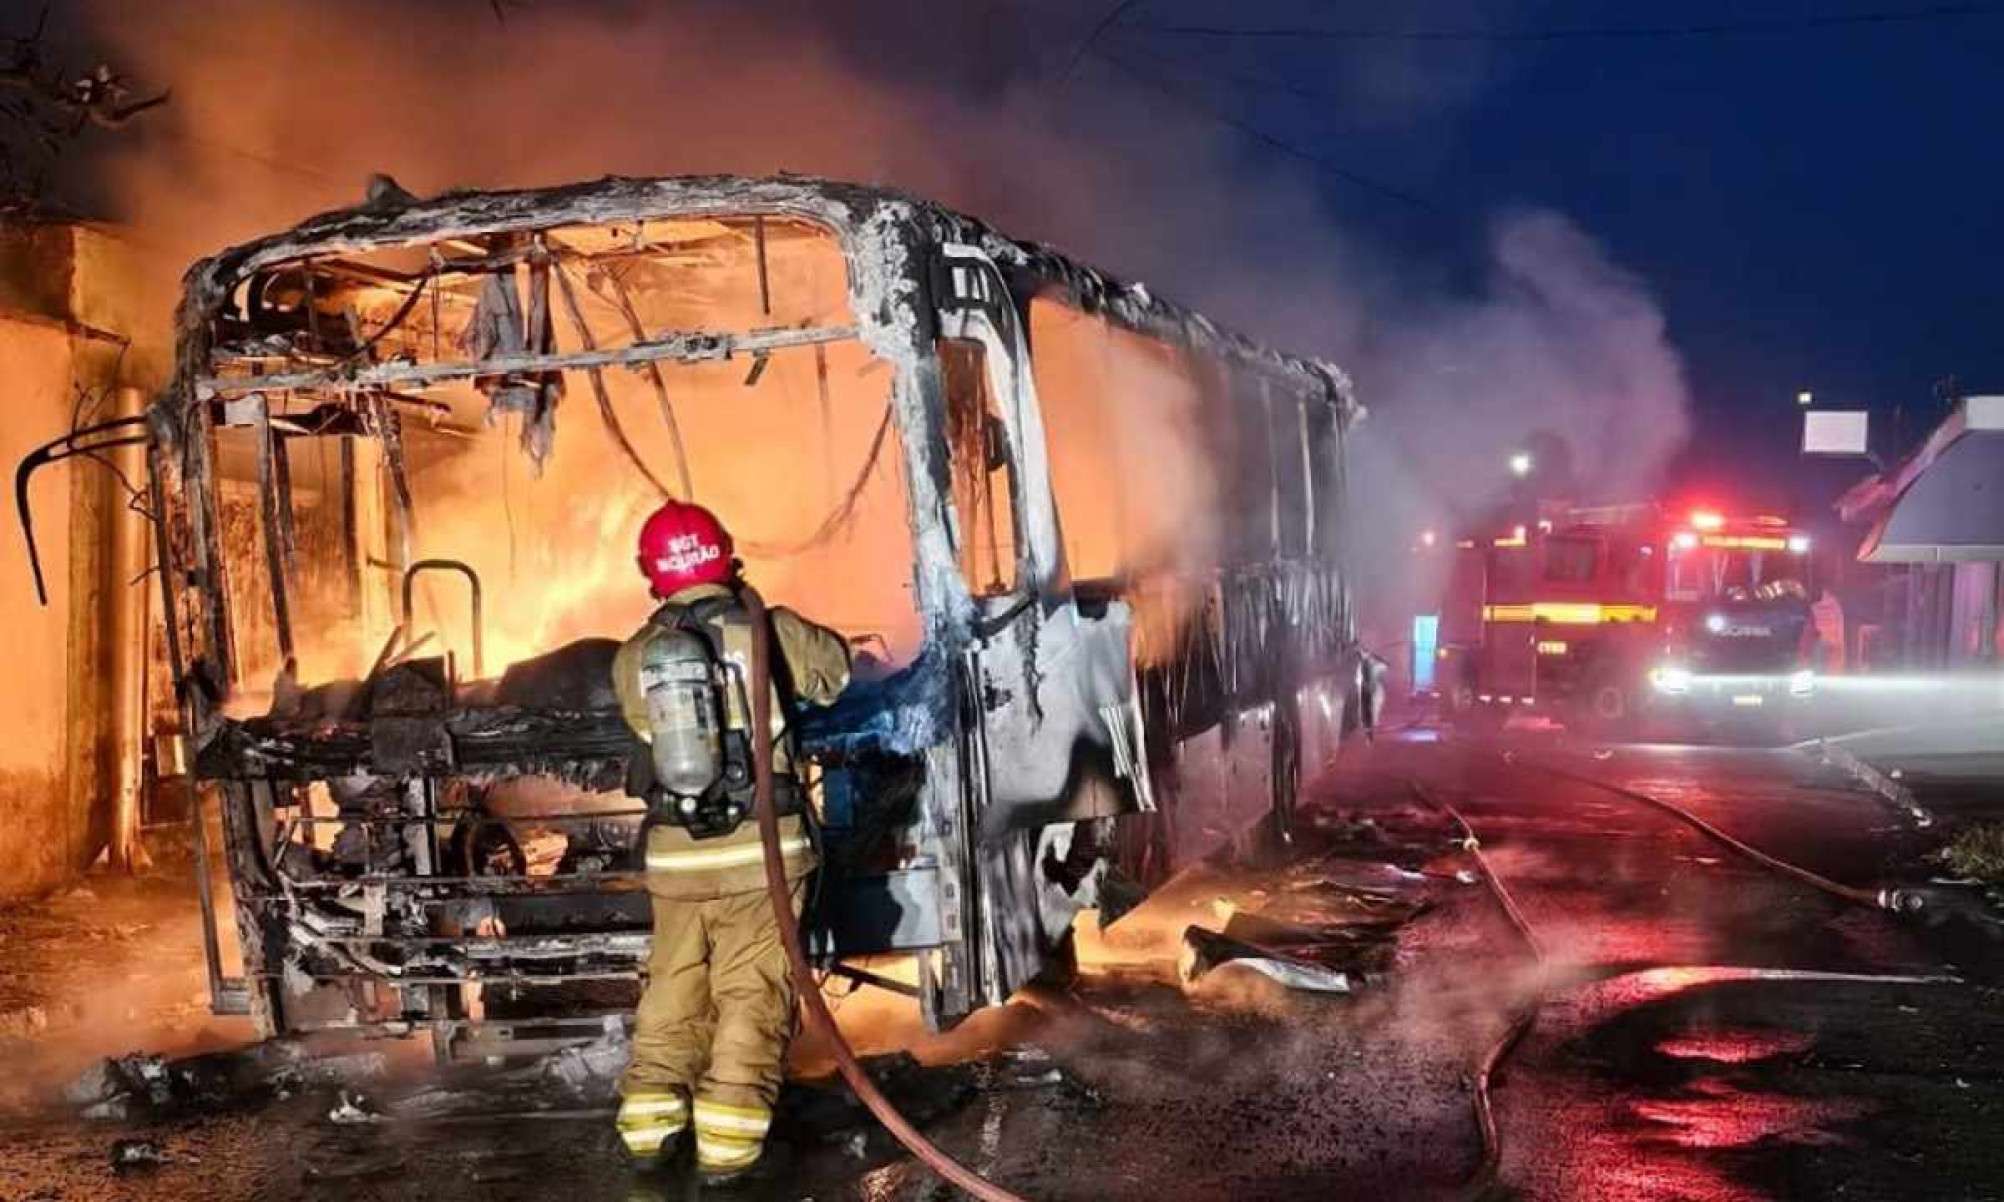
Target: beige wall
[
  {"x": 66, "y": 293},
  {"x": 41, "y": 837}
]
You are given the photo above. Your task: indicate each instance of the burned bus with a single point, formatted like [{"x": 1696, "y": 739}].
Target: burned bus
[{"x": 1085, "y": 544}]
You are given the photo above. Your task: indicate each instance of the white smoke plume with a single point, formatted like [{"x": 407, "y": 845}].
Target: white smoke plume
[
  {"x": 282, "y": 109},
  {"x": 1562, "y": 341}
]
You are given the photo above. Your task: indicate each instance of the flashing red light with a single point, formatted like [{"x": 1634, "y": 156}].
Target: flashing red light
[
  {"x": 1705, "y": 519},
  {"x": 1683, "y": 540}
]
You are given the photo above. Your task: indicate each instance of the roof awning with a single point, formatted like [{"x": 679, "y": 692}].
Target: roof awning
[{"x": 1947, "y": 501}]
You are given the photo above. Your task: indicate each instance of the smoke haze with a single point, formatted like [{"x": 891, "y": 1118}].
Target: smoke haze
[{"x": 283, "y": 109}]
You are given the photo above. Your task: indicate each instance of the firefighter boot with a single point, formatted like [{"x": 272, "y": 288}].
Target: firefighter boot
[
  {"x": 730, "y": 1142},
  {"x": 651, "y": 1123}
]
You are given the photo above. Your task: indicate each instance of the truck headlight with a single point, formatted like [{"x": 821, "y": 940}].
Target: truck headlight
[
  {"x": 1801, "y": 683},
  {"x": 1671, "y": 678},
  {"x": 1716, "y": 623}
]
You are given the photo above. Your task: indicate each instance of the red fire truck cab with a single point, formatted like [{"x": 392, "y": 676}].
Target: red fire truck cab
[{"x": 1597, "y": 615}]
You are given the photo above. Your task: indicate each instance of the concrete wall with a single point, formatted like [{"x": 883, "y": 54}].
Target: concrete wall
[
  {"x": 69, "y": 319},
  {"x": 42, "y": 835}
]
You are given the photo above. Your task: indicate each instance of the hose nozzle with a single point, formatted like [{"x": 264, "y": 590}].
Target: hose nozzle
[
  {"x": 1941, "y": 903},
  {"x": 1909, "y": 902}
]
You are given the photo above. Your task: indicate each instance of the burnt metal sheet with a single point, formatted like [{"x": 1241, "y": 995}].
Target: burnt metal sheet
[{"x": 893, "y": 911}]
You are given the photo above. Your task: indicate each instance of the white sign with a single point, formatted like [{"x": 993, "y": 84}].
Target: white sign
[
  {"x": 1835, "y": 432},
  {"x": 1983, "y": 412}
]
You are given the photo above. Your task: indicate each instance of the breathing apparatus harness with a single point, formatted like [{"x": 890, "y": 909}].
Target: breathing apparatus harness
[{"x": 700, "y": 770}]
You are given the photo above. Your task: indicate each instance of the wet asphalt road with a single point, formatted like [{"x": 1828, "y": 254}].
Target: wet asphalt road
[
  {"x": 1714, "y": 1031},
  {"x": 1667, "y": 1060}
]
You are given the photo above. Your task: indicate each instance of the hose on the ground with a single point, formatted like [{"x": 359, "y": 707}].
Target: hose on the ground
[
  {"x": 1899, "y": 900},
  {"x": 796, "y": 954},
  {"x": 1887, "y": 899},
  {"x": 1484, "y": 1173}
]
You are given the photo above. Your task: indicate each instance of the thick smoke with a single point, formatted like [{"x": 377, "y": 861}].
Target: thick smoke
[
  {"x": 282, "y": 109},
  {"x": 1563, "y": 341}
]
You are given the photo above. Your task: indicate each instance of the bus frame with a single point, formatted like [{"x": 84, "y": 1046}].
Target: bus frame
[{"x": 1016, "y": 699}]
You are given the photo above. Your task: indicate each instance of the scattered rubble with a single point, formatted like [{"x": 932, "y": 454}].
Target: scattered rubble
[
  {"x": 352, "y": 1108},
  {"x": 1209, "y": 951},
  {"x": 138, "y": 1084},
  {"x": 588, "y": 1071},
  {"x": 128, "y": 1155},
  {"x": 826, "y": 1111}
]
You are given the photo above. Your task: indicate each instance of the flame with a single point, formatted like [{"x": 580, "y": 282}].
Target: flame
[{"x": 786, "y": 450}]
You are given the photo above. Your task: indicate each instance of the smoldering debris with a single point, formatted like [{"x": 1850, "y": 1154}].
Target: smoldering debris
[
  {"x": 139, "y": 1085},
  {"x": 1332, "y": 958},
  {"x": 584, "y": 1069}
]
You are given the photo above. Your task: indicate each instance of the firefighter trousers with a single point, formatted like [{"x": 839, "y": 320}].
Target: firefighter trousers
[{"x": 714, "y": 1022}]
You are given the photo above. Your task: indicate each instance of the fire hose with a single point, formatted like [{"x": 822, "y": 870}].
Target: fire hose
[
  {"x": 1908, "y": 902},
  {"x": 796, "y": 954},
  {"x": 1485, "y": 1171}
]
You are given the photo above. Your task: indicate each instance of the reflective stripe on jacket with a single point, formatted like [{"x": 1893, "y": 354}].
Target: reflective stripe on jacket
[{"x": 682, "y": 868}]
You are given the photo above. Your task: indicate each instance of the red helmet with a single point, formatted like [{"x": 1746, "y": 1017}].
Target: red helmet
[{"x": 683, "y": 545}]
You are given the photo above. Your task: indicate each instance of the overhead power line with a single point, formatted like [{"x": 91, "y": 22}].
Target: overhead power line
[
  {"x": 1211, "y": 69},
  {"x": 1752, "y": 26},
  {"x": 1090, "y": 43}
]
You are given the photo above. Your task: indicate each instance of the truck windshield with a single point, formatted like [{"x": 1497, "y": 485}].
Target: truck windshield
[{"x": 1736, "y": 574}]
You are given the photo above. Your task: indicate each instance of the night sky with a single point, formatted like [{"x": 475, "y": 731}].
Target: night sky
[
  {"x": 1815, "y": 204},
  {"x": 1807, "y": 188}
]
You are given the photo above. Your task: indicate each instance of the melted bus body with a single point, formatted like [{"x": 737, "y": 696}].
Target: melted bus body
[{"x": 1085, "y": 542}]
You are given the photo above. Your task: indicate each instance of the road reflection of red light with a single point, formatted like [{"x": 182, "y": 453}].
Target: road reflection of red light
[
  {"x": 1733, "y": 1047},
  {"x": 1649, "y": 985},
  {"x": 1728, "y": 1118},
  {"x": 1598, "y": 1140}
]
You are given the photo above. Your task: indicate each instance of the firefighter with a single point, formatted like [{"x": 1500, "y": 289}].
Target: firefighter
[{"x": 710, "y": 1037}]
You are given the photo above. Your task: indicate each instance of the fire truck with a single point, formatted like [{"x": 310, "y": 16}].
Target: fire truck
[{"x": 1598, "y": 616}]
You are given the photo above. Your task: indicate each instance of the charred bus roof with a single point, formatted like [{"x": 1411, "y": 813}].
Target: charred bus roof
[{"x": 908, "y": 224}]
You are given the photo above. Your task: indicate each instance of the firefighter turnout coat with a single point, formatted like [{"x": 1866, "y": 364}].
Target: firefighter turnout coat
[{"x": 710, "y": 1036}]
